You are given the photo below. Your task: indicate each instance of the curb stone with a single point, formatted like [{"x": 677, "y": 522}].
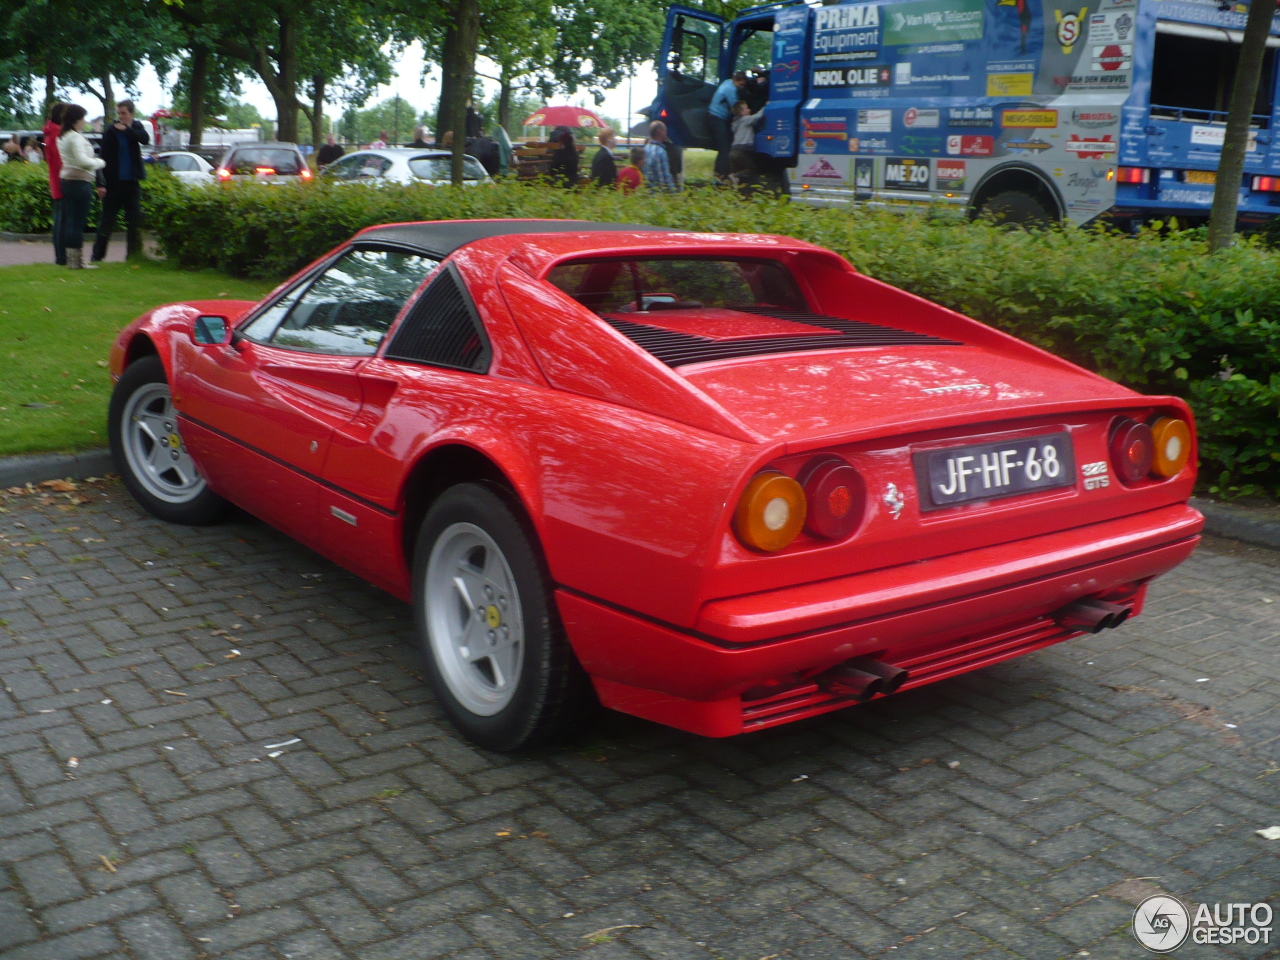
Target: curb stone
[
  {"x": 1220, "y": 519},
  {"x": 1238, "y": 523},
  {"x": 18, "y": 471},
  {"x": 8, "y": 237}
]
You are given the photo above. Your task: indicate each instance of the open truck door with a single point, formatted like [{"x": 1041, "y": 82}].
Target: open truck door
[{"x": 688, "y": 74}]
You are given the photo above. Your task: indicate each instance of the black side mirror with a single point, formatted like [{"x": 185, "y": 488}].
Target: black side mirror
[{"x": 210, "y": 331}]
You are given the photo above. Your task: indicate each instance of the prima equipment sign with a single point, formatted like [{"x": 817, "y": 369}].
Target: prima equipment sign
[{"x": 850, "y": 31}]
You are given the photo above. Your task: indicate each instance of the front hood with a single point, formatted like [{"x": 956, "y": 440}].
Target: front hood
[{"x": 866, "y": 392}]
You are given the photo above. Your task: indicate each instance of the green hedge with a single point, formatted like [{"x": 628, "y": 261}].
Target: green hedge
[
  {"x": 1157, "y": 313},
  {"x": 25, "y": 205}
]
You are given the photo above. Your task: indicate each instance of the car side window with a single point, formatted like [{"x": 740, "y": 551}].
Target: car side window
[
  {"x": 348, "y": 308},
  {"x": 374, "y": 166},
  {"x": 181, "y": 164},
  {"x": 343, "y": 169}
]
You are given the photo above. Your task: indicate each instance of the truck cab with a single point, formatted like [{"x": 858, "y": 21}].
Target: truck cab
[{"x": 1024, "y": 110}]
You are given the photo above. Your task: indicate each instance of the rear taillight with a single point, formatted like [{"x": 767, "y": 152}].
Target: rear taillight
[
  {"x": 835, "y": 496},
  {"x": 305, "y": 173},
  {"x": 1132, "y": 450},
  {"x": 264, "y": 171},
  {"x": 1266, "y": 184},
  {"x": 224, "y": 173},
  {"x": 1171, "y": 439},
  {"x": 771, "y": 512},
  {"x": 1133, "y": 175}
]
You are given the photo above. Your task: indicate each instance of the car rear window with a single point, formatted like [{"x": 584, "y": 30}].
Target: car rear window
[
  {"x": 277, "y": 160},
  {"x": 437, "y": 168},
  {"x": 622, "y": 285}
]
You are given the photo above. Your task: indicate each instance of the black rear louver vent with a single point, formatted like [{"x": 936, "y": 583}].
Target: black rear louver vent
[
  {"x": 442, "y": 329},
  {"x": 677, "y": 349}
]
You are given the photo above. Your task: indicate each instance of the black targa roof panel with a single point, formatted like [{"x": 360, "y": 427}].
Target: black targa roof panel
[{"x": 443, "y": 237}]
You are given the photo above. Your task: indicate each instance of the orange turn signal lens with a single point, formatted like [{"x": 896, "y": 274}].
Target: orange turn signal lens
[
  {"x": 1172, "y": 446},
  {"x": 770, "y": 512}
]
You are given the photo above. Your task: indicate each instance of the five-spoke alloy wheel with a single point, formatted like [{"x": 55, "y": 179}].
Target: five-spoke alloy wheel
[
  {"x": 496, "y": 654},
  {"x": 149, "y": 452}
]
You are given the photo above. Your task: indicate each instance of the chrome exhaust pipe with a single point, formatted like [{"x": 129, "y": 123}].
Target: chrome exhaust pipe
[
  {"x": 891, "y": 677},
  {"x": 846, "y": 681},
  {"x": 1092, "y": 615}
]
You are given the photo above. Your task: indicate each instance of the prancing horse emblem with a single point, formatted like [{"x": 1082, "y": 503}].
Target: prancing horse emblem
[{"x": 894, "y": 500}]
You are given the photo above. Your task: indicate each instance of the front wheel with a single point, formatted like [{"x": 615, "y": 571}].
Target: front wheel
[
  {"x": 1014, "y": 208},
  {"x": 148, "y": 450},
  {"x": 496, "y": 654}
]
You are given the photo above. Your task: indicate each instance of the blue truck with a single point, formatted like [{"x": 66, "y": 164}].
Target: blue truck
[{"x": 1030, "y": 110}]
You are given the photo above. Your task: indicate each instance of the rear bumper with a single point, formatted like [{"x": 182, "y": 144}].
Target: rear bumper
[{"x": 748, "y": 664}]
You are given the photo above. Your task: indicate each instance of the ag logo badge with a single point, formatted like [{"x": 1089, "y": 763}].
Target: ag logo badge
[{"x": 1161, "y": 923}]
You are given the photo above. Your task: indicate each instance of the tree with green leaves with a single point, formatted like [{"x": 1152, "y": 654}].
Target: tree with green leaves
[{"x": 1235, "y": 141}]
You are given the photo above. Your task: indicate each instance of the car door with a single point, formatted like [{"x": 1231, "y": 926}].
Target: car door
[
  {"x": 263, "y": 408},
  {"x": 432, "y": 365},
  {"x": 688, "y": 74}
]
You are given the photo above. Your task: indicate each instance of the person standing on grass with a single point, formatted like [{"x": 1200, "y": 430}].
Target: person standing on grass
[
  {"x": 657, "y": 165},
  {"x": 79, "y": 169},
  {"x": 122, "y": 144},
  {"x": 564, "y": 162},
  {"x": 419, "y": 138},
  {"x": 604, "y": 169},
  {"x": 742, "y": 155},
  {"x": 52, "y": 130},
  {"x": 630, "y": 177},
  {"x": 381, "y": 142},
  {"x": 330, "y": 152},
  {"x": 721, "y": 117}
]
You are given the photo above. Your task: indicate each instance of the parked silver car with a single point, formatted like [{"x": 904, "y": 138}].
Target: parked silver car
[
  {"x": 191, "y": 168},
  {"x": 402, "y": 165},
  {"x": 272, "y": 163}
]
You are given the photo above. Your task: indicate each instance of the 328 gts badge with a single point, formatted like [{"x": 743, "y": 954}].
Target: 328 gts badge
[{"x": 1095, "y": 475}]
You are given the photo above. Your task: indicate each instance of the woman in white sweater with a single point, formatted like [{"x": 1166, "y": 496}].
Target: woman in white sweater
[{"x": 79, "y": 169}]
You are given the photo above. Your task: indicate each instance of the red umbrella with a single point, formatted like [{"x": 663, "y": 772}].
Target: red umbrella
[{"x": 565, "y": 117}]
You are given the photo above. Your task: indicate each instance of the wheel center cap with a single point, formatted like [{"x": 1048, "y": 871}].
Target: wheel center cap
[
  {"x": 175, "y": 441},
  {"x": 492, "y": 617}
]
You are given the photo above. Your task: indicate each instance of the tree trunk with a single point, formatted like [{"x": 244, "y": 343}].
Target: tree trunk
[
  {"x": 1235, "y": 144},
  {"x": 282, "y": 83},
  {"x": 197, "y": 92},
  {"x": 48, "y": 88},
  {"x": 504, "y": 101},
  {"x": 317, "y": 109},
  {"x": 108, "y": 102},
  {"x": 461, "y": 41}
]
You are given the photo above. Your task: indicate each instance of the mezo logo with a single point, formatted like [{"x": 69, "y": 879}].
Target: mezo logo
[{"x": 1069, "y": 28}]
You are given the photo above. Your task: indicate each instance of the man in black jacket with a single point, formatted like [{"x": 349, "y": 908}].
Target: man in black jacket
[{"x": 122, "y": 144}]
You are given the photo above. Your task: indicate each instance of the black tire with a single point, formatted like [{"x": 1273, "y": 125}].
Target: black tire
[
  {"x": 552, "y": 690},
  {"x": 1014, "y": 208},
  {"x": 177, "y": 493}
]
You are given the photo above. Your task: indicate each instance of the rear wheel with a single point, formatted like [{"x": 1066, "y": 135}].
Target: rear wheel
[
  {"x": 496, "y": 654},
  {"x": 1016, "y": 208},
  {"x": 153, "y": 461}
]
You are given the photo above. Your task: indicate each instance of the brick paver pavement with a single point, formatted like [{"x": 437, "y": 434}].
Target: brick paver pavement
[{"x": 163, "y": 797}]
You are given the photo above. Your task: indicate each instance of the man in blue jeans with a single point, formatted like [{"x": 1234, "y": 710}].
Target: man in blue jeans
[
  {"x": 721, "y": 115},
  {"x": 122, "y": 144}
]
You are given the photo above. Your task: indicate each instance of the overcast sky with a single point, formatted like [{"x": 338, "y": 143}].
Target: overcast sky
[{"x": 419, "y": 92}]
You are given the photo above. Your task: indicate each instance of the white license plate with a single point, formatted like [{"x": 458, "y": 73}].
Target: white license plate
[{"x": 987, "y": 471}]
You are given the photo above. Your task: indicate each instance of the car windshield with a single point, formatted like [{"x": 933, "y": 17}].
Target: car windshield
[
  {"x": 264, "y": 159},
  {"x": 618, "y": 285},
  {"x": 437, "y": 168}
]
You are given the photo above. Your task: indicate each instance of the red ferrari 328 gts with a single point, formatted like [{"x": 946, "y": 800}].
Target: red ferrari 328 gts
[{"x": 719, "y": 481}]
